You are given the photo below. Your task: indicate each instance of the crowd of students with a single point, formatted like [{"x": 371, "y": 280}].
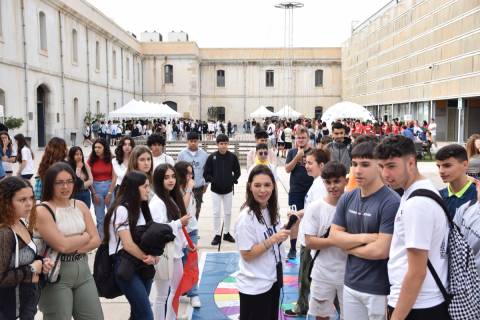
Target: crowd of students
[{"x": 365, "y": 236}]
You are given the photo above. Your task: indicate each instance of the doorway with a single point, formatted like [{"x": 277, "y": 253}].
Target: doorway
[{"x": 42, "y": 103}]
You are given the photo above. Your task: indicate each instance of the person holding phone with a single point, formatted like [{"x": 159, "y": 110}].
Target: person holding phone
[{"x": 259, "y": 236}]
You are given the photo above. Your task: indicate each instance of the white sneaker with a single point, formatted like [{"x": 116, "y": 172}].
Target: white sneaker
[{"x": 195, "y": 302}]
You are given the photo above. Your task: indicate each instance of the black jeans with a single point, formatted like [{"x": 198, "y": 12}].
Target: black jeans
[
  {"x": 198, "y": 194},
  {"x": 262, "y": 306},
  {"x": 439, "y": 312}
]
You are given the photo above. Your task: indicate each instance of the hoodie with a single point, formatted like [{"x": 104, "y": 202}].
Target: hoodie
[
  {"x": 222, "y": 171},
  {"x": 341, "y": 152}
]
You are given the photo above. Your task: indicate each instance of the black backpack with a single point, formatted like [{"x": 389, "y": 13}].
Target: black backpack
[{"x": 103, "y": 273}]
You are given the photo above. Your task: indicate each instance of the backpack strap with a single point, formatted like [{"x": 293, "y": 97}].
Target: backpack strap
[
  {"x": 43, "y": 204},
  {"x": 435, "y": 197}
]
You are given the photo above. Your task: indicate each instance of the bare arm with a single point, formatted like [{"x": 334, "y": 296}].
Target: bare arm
[
  {"x": 317, "y": 243},
  {"x": 55, "y": 239},
  {"x": 21, "y": 166},
  {"x": 291, "y": 165},
  {"x": 377, "y": 250},
  {"x": 94, "y": 241},
  {"x": 412, "y": 282},
  {"x": 89, "y": 182},
  {"x": 130, "y": 246},
  {"x": 346, "y": 241}
]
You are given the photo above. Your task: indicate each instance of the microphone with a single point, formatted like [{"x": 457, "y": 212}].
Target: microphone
[{"x": 291, "y": 221}]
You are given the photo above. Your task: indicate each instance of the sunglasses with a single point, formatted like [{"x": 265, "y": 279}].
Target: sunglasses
[{"x": 263, "y": 153}]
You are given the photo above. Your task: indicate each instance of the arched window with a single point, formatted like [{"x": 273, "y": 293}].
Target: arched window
[
  {"x": 269, "y": 78},
  {"x": 2, "y": 102},
  {"x": 97, "y": 55},
  {"x": 114, "y": 63},
  {"x": 75, "y": 113},
  {"x": 127, "y": 65},
  {"x": 271, "y": 108},
  {"x": 319, "y": 78},
  {"x": 318, "y": 112},
  {"x": 1, "y": 20},
  {"x": 168, "y": 73},
  {"x": 98, "y": 107},
  {"x": 74, "y": 46},
  {"x": 114, "y": 106},
  {"x": 220, "y": 78},
  {"x": 171, "y": 104},
  {"x": 42, "y": 20}
]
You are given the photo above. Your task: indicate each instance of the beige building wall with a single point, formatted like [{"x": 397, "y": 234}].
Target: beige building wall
[{"x": 417, "y": 51}]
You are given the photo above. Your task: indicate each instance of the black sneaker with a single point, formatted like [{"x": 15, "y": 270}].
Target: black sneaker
[
  {"x": 292, "y": 253},
  {"x": 228, "y": 237},
  {"x": 291, "y": 313},
  {"x": 216, "y": 240}
]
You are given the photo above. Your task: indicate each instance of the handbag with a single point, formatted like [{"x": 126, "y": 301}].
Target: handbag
[{"x": 46, "y": 251}]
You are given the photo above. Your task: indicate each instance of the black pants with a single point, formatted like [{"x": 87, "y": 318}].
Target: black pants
[
  {"x": 439, "y": 312},
  {"x": 198, "y": 194},
  {"x": 262, "y": 306}
]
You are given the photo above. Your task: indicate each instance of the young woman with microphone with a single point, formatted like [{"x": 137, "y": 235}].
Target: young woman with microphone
[{"x": 259, "y": 235}]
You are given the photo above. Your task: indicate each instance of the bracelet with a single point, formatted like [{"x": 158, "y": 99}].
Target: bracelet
[{"x": 109, "y": 192}]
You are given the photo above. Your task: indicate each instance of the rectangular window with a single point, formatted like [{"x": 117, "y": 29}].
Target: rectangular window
[
  {"x": 220, "y": 78},
  {"x": 318, "y": 78},
  {"x": 42, "y": 19},
  {"x": 97, "y": 55},
  {"x": 269, "y": 78},
  {"x": 114, "y": 63},
  {"x": 168, "y": 73},
  {"x": 74, "y": 46},
  {"x": 128, "y": 68}
]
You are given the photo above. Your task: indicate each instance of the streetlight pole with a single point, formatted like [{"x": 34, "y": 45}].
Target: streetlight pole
[{"x": 288, "y": 8}]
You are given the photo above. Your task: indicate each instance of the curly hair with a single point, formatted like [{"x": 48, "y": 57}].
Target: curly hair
[
  {"x": 471, "y": 150},
  {"x": 119, "y": 154},
  {"x": 55, "y": 151},
  {"x": 107, "y": 154},
  {"x": 8, "y": 188}
]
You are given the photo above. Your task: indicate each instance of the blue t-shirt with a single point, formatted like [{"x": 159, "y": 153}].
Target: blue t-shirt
[
  {"x": 453, "y": 202},
  {"x": 2, "y": 170},
  {"x": 372, "y": 214},
  {"x": 300, "y": 181}
]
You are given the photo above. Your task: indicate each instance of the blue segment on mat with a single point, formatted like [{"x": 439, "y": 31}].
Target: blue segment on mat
[{"x": 219, "y": 266}]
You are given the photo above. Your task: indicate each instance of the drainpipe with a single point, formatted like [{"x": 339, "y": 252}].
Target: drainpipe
[
  {"x": 244, "y": 90},
  {"x": 200, "y": 89},
  {"x": 88, "y": 72},
  {"x": 25, "y": 71},
  {"x": 108, "y": 78},
  {"x": 133, "y": 74},
  {"x": 121, "y": 57},
  {"x": 62, "y": 70},
  {"x": 141, "y": 75}
]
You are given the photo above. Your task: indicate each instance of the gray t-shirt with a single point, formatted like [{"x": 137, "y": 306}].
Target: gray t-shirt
[{"x": 372, "y": 214}]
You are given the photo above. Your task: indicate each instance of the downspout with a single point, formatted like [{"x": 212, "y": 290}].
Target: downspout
[
  {"x": 141, "y": 76},
  {"x": 133, "y": 74},
  {"x": 88, "y": 72},
  {"x": 200, "y": 88},
  {"x": 121, "y": 57},
  {"x": 62, "y": 70},
  {"x": 108, "y": 78},
  {"x": 25, "y": 71},
  {"x": 244, "y": 90}
]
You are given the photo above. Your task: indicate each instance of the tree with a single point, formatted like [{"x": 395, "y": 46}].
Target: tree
[{"x": 13, "y": 123}]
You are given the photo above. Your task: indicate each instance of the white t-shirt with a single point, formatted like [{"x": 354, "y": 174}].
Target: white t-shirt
[
  {"x": 316, "y": 191},
  {"x": 120, "y": 217},
  {"x": 329, "y": 266},
  {"x": 258, "y": 275},
  {"x": 161, "y": 159},
  {"x": 271, "y": 130},
  {"x": 8, "y": 166},
  {"x": 27, "y": 156},
  {"x": 432, "y": 127},
  {"x": 288, "y": 135},
  {"x": 422, "y": 224},
  {"x": 120, "y": 170},
  {"x": 192, "y": 211},
  {"x": 158, "y": 210}
]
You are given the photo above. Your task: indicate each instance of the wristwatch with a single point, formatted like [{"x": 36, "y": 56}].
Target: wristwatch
[{"x": 32, "y": 269}]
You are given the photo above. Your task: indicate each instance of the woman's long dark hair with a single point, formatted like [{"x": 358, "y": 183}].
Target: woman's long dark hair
[
  {"x": 56, "y": 150},
  {"x": 119, "y": 154},
  {"x": 107, "y": 155},
  {"x": 129, "y": 197},
  {"x": 173, "y": 200},
  {"x": 8, "y": 188},
  {"x": 9, "y": 145},
  {"x": 181, "y": 171},
  {"x": 71, "y": 159},
  {"x": 48, "y": 183},
  {"x": 21, "y": 142},
  {"x": 272, "y": 202}
]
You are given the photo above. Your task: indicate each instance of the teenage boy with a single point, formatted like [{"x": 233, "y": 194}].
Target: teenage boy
[
  {"x": 420, "y": 234},
  {"x": 363, "y": 226},
  {"x": 300, "y": 181},
  {"x": 340, "y": 147},
  {"x": 222, "y": 170},
  {"x": 156, "y": 143},
  {"x": 261, "y": 157},
  {"x": 197, "y": 157},
  {"x": 452, "y": 163},
  {"x": 261, "y": 137},
  {"x": 328, "y": 269}
]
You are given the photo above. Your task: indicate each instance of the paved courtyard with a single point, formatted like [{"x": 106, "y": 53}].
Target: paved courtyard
[{"x": 118, "y": 309}]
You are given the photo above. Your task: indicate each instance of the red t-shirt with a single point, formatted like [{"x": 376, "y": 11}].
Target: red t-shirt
[
  {"x": 368, "y": 129},
  {"x": 101, "y": 171}
]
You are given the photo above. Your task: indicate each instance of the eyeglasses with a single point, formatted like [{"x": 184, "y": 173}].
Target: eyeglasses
[
  {"x": 61, "y": 183},
  {"x": 263, "y": 153}
]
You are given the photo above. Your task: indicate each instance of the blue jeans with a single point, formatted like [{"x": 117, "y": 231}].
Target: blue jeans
[
  {"x": 84, "y": 196},
  {"x": 194, "y": 236},
  {"x": 136, "y": 291},
  {"x": 101, "y": 190}
]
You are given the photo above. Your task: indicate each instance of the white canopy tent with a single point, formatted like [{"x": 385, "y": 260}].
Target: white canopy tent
[
  {"x": 346, "y": 110},
  {"x": 262, "y": 112},
  {"x": 288, "y": 112},
  {"x": 141, "y": 109}
]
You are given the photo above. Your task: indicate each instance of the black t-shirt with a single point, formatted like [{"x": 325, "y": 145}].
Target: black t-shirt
[{"x": 300, "y": 181}]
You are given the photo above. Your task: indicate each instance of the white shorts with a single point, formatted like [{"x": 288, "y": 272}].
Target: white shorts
[{"x": 322, "y": 295}]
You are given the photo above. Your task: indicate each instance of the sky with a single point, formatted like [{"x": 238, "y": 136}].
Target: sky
[{"x": 241, "y": 23}]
